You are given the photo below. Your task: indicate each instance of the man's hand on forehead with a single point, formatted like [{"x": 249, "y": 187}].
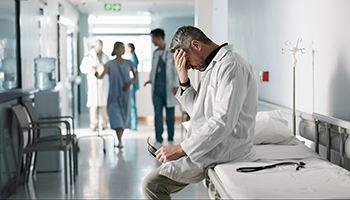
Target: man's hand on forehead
[{"x": 180, "y": 64}]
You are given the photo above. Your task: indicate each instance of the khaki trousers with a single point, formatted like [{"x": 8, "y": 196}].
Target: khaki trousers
[
  {"x": 94, "y": 117},
  {"x": 156, "y": 186}
]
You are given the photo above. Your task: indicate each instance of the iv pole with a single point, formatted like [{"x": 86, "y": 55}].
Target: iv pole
[
  {"x": 98, "y": 122},
  {"x": 294, "y": 63},
  {"x": 98, "y": 117}
]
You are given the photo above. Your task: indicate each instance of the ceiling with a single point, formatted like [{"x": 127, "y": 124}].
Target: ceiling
[{"x": 155, "y": 8}]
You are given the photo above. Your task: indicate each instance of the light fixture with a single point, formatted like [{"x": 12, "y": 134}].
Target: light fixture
[
  {"x": 143, "y": 13},
  {"x": 66, "y": 21},
  {"x": 120, "y": 20},
  {"x": 121, "y": 31}
]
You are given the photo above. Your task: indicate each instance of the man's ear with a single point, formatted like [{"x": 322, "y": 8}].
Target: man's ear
[{"x": 195, "y": 44}]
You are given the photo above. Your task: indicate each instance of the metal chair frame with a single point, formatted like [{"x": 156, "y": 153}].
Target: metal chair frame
[
  {"x": 54, "y": 120},
  {"x": 33, "y": 145}
]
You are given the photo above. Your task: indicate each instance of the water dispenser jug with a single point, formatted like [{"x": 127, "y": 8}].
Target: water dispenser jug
[
  {"x": 45, "y": 76},
  {"x": 9, "y": 67}
]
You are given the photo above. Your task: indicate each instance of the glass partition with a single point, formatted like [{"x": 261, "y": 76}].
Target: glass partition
[
  {"x": 9, "y": 93},
  {"x": 8, "y": 45}
]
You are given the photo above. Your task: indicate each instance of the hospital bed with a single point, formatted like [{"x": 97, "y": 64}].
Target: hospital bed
[{"x": 275, "y": 143}]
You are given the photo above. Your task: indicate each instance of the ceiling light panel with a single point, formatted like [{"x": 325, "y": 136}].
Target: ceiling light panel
[
  {"x": 120, "y": 20},
  {"x": 121, "y": 31}
]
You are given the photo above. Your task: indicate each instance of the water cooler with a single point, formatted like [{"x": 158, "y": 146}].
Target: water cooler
[
  {"x": 47, "y": 104},
  {"x": 45, "y": 76},
  {"x": 9, "y": 66}
]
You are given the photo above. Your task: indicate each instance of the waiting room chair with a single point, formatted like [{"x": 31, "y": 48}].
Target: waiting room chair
[
  {"x": 34, "y": 145},
  {"x": 8, "y": 152},
  {"x": 54, "y": 120}
]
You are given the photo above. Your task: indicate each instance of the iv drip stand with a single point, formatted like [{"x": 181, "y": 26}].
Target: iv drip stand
[
  {"x": 294, "y": 62},
  {"x": 98, "y": 124}
]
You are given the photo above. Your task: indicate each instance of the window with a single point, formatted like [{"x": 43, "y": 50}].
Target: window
[{"x": 8, "y": 45}]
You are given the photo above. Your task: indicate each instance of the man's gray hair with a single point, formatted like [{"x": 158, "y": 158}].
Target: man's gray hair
[{"x": 184, "y": 36}]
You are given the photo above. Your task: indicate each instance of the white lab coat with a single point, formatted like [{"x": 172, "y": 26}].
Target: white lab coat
[
  {"x": 97, "y": 88},
  {"x": 222, "y": 112},
  {"x": 172, "y": 79}
]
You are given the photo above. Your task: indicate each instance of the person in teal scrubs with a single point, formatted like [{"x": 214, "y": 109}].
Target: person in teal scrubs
[
  {"x": 119, "y": 95},
  {"x": 165, "y": 82},
  {"x": 130, "y": 49}
]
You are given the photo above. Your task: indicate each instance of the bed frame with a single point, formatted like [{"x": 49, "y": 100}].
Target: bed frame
[
  {"x": 322, "y": 131},
  {"x": 330, "y": 132}
]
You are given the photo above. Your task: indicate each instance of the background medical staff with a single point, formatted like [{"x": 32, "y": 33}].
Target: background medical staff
[
  {"x": 97, "y": 92},
  {"x": 164, "y": 80},
  {"x": 130, "y": 49}
]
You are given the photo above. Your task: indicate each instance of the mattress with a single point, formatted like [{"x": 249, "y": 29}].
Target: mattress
[{"x": 319, "y": 179}]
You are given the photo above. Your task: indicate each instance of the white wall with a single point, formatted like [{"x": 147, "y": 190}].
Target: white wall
[
  {"x": 203, "y": 15},
  {"x": 29, "y": 41},
  {"x": 259, "y": 29},
  {"x": 220, "y": 21},
  {"x": 83, "y": 32}
]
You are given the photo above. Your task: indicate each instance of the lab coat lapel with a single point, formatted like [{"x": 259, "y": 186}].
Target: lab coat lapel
[{"x": 223, "y": 51}]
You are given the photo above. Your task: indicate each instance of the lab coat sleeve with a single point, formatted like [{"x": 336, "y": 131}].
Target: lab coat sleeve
[
  {"x": 187, "y": 99},
  {"x": 231, "y": 91},
  {"x": 84, "y": 66},
  {"x": 88, "y": 62},
  {"x": 92, "y": 59},
  {"x": 153, "y": 67},
  {"x": 105, "y": 58}
]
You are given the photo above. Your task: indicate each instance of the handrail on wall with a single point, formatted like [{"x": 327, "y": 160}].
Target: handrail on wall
[{"x": 343, "y": 126}]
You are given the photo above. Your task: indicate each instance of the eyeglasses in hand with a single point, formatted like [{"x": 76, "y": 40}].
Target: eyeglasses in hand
[{"x": 151, "y": 148}]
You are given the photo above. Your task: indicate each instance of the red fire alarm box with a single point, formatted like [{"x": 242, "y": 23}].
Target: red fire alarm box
[{"x": 264, "y": 76}]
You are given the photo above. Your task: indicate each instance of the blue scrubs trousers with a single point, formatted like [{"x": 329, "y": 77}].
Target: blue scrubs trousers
[{"x": 159, "y": 101}]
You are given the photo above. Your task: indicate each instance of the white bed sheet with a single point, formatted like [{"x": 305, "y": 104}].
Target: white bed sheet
[{"x": 319, "y": 179}]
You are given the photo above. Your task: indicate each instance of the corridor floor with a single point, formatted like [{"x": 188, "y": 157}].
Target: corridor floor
[{"x": 118, "y": 174}]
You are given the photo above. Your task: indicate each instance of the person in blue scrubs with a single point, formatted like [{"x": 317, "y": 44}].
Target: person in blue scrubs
[
  {"x": 119, "y": 95},
  {"x": 130, "y": 49},
  {"x": 164, "y": 80}
]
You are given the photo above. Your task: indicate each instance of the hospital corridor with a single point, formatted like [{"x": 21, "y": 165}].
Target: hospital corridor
[
  {"x": 118, "y": 174},
  {"x": 174, "y": 99}
]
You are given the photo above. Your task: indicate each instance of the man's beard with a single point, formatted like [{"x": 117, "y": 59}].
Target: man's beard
[{"x": 202, "y": 67}]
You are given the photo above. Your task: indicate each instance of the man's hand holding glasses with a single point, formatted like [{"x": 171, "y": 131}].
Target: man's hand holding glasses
[
  {"x": 151, "y": 149},
  {"x": 166, "y": 153}
]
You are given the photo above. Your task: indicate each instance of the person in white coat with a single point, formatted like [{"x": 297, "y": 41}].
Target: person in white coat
[
  {"x": 164, "y": 80},
  {"x": 222, "y": 110},
  {"x": 97, "y": 92}
]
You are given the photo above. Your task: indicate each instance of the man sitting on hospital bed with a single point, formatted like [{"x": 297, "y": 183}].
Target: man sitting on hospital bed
[{"x": 222, "y": 111}]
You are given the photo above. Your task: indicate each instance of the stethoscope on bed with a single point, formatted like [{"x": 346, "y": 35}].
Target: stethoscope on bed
[{"x": 254, "y": 169}]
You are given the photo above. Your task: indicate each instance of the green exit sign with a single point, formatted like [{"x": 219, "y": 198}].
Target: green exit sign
[{"x": 112, "y": 7}]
